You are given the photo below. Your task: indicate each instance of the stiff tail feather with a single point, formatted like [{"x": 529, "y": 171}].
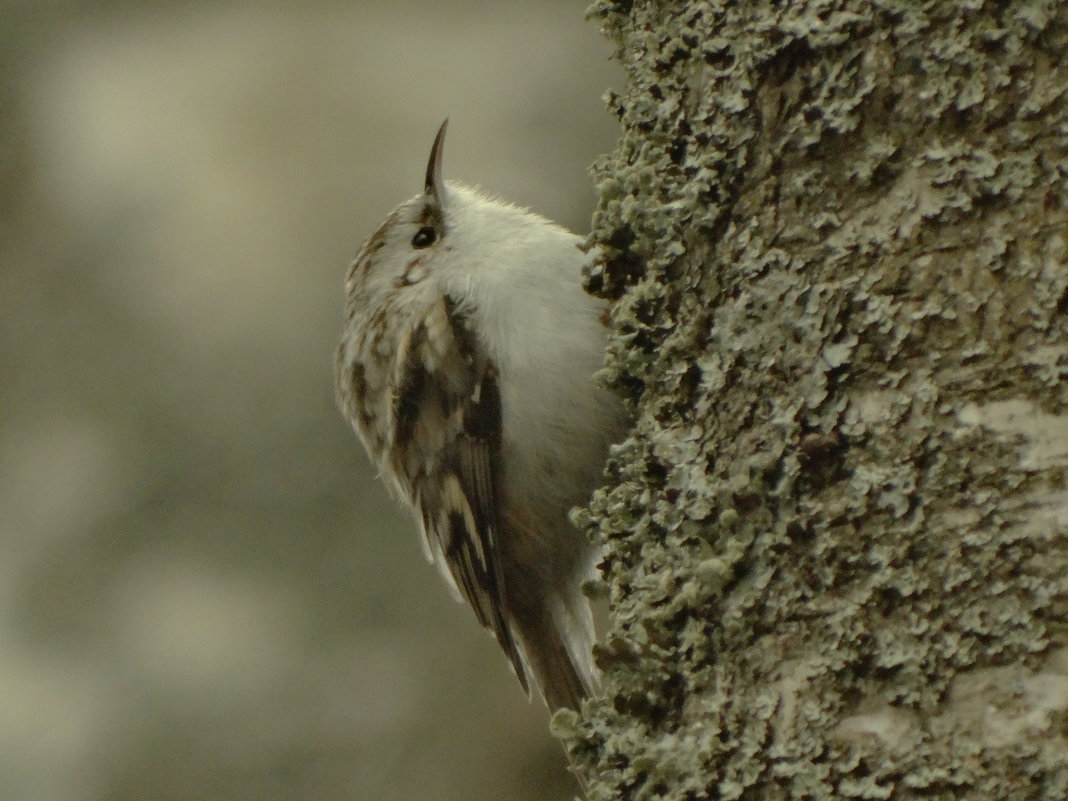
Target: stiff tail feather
[{"x": 558, "y": 654}]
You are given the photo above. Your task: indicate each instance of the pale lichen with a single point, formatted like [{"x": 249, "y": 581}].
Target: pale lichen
[{"x": 834, "y": 232}]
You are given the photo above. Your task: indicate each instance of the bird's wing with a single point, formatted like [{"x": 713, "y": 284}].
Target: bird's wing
[{"x": 446, "y": 442}]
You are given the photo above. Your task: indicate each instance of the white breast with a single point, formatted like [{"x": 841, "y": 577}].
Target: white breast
[{"x": 521, "y": 280}]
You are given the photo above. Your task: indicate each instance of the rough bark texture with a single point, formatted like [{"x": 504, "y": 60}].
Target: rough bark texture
[{"x": 837, "y": 231}]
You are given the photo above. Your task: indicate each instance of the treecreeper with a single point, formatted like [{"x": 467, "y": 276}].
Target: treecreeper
[{"x": 466, "y": 369}]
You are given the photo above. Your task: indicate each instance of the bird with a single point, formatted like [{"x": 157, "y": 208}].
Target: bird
[{"x": 466, "y": 367}]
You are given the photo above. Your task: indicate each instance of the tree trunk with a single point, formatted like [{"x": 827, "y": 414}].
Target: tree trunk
[{"x": 837, "y": 237}]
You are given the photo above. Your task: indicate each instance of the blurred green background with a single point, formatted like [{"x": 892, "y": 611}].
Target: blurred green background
[{"x": 204, "y": 592}]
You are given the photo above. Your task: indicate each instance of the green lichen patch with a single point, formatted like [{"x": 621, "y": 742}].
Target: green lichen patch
[{"x": 835, "y": 237}]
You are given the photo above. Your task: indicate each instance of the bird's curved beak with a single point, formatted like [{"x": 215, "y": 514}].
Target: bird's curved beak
[{"x": 434, "y": 187}]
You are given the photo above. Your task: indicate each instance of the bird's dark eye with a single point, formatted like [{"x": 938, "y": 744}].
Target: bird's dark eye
[{"x": 424, "y": 237}]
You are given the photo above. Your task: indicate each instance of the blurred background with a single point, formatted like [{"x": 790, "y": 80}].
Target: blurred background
[{"x": 204, "y": 592}]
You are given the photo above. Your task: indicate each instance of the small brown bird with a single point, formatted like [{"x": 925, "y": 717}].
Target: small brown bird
[{"x": 466, "y": 368}]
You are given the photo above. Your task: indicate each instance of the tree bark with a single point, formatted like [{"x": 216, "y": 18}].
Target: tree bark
[{"x": 836, "y": 235}]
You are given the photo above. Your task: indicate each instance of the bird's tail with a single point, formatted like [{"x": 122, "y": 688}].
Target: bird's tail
[{"x": 557, "y": 646}]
